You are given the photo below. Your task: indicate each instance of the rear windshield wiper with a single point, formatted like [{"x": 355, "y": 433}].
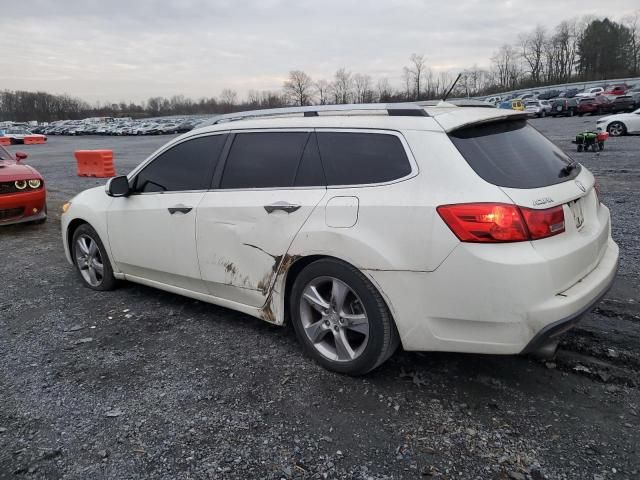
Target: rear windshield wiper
[{"x": 567, "y": 169}]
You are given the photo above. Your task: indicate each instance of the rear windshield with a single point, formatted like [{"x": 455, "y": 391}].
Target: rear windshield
[{"x": 513, "y": 154}]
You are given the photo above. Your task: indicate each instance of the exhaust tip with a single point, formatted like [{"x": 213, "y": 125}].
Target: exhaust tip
[{"x": 546, "y": 351}]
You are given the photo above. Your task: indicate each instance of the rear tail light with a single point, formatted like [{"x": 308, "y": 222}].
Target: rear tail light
[{"x": 501, "y": 222}]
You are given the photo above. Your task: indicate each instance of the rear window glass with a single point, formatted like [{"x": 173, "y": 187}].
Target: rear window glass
[
  {"x": 264, "y": 160},
  {"x": 362, "y": 158},
  {"x": 513, "y": 154}
]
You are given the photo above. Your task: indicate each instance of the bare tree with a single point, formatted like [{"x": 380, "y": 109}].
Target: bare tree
[
  {"x": 342, "y": 87},
  {"x": 532, "y": 50},
  {"x": 299, "y": 88},
  {"x": 407, "y": 81},
  {"x": 362, "y": 88},
  {"x": 228, "y": 99},
  {"x": 632, "y": 22},
  {"x": 416, "y": 69},
  {"x": 505, "y": 66},
  {"x": 322, "y": 90},
  {"x": 384, "y": 90}
]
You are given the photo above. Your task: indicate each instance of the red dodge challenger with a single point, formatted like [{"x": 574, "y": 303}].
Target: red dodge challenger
[{"x": 22, "y": 193}]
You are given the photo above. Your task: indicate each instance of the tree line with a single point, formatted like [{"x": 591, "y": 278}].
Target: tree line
[{"x": 585, "y": 49}]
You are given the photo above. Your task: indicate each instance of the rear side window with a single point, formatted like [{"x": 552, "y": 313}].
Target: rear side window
[
  {"x": 264, "y": 160},
  {"x": 186, "y": 166},
  {"x": 362, "y": 158},
  {"x": 513, "y": 154}
]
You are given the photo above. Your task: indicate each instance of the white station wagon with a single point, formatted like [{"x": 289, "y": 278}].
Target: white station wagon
[{"x": 439, "y": 228}]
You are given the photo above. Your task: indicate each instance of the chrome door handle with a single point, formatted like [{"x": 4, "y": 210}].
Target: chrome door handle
[
  {"x": 179, "y": 209},
  {"x": 284, "y": 206}
]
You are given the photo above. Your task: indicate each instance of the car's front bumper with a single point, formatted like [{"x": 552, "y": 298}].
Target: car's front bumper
[{"x": 32, "y": 207}]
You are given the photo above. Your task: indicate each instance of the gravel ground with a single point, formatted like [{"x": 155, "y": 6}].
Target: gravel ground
[{"x": 138, "y": 383}]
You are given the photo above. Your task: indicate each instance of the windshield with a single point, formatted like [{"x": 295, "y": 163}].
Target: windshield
[{"x": 4, "y": 154}]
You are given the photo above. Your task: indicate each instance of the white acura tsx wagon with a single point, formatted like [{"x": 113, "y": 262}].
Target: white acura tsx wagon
[{"x": 367, "y": 226}]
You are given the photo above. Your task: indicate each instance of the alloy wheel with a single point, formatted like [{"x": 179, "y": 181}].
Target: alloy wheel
[
  {"x": 334, "y": 319},
  {"x": 89, "y": 260}
]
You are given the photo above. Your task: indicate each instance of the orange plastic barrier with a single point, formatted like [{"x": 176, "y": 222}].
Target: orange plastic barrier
[
  {"x": 95, "y": 163},
  {"x": 33, "y": 139},
  {"x": 4, "y": 141}
]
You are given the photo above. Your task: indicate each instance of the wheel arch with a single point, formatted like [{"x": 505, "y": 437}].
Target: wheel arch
[{"x": 300, "y": 263}]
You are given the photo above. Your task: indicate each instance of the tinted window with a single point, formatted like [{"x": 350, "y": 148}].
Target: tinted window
[
  {"x": 187, "y": 166},
  {"x": 361, "y": 158},
  {"x": 512, "y": 154},
  {"x": 310, "y": 173},
  {"x": 264, "y": 159}
]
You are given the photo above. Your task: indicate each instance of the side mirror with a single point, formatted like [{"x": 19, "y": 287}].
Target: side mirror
[
  {"x": 118, "y": 186},
  {"x": 20, "y": 156}
]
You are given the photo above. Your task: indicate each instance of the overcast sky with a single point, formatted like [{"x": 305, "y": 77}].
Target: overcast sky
[{"x": 130, "y": 50}]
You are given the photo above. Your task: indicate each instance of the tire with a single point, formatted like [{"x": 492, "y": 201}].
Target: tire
[
  {"x": 355, "y": 343},
  {"x": 91, "y": 259},
  {"x": 616, "y": 129},
  {"x": 580, "y": 147},
  {"x": 601, "y": 146}
]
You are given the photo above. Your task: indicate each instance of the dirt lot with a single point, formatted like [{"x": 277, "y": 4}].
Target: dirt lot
[{"x": 138, "y": 383}]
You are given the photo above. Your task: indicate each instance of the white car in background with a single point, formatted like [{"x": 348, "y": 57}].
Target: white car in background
[
  {"x": 537, "y": 108},
  {"x": 590, "y": 92},
  {"x": 620, "y": 123},
  {"x": 367, "y": 226},
  {"x": 17, "y": 134}
]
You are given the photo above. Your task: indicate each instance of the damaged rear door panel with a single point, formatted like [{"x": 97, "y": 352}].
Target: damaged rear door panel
[{"x": 269, "y": 185}]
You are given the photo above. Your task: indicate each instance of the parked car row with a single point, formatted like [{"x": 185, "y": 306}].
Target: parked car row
[
  {"x": 595, "y": 100},
  {"x": 117, "y": 126}
]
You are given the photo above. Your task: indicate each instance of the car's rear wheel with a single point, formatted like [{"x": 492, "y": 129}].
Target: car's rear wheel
[
  {"x": 91, "y": 260},
  {"x": 341, "y": 319},
  {"x": 616, "y": 129}
]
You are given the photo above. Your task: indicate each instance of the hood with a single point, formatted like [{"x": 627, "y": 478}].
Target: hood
[
  {"x": 10, "y": 172},
  {"x": 616, "y": 116}
]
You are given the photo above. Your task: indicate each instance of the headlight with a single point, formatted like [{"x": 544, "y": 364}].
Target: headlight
[
  {"x": 20, "y": 184},
  {"x": 65, "y": 207},
  {"x": 35, "y": 183}
]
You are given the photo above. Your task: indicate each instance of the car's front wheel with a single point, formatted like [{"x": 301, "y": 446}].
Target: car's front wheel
[
  {"x": 91, "y": 260},
  {"x": 616, "y": 129},
  {"x": 341, "y": 319}
]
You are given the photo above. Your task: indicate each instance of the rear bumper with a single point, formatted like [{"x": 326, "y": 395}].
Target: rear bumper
[
  {"x": 554, "y": 330},
  {"x": 475, "y": 305}
]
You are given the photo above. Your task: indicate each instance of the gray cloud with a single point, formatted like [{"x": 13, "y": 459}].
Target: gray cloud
[{"x": 130, "y": 50}]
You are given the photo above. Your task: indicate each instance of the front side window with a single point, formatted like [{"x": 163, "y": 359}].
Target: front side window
[
  {"x": 351, "y": 158},
  {"x": 184, "y": 167}
]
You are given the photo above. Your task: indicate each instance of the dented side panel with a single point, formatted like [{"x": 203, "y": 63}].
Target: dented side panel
[{"x": 241, "y": 246}]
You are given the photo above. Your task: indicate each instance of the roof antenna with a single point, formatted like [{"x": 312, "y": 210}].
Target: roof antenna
[{"x": 444, "y": 99}]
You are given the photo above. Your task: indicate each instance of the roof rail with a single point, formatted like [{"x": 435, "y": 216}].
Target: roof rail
[{"x": 392, "y": 109}]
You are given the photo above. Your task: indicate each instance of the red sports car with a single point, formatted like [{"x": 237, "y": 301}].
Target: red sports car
[{"x": 22, "y": 193}]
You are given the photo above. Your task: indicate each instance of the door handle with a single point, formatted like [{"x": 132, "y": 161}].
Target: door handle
[
  {"x": 179, "y": 209},
  {"x": 284, "y": 206}
]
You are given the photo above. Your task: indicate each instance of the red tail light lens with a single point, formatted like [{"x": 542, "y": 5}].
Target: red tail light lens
[
  {"x": 543, "y": 223},
  {"x": 501, "y": 222},
  {"x": 485, "y": 222}
]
